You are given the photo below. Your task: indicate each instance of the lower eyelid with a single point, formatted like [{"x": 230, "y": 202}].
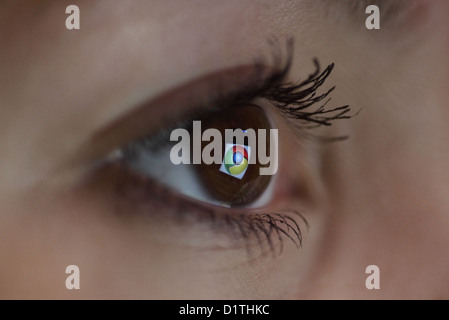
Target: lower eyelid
[{"x": 165, "y": 214}]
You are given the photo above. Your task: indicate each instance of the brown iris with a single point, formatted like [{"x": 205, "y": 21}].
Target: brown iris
[{"x": 226, "y": 188}]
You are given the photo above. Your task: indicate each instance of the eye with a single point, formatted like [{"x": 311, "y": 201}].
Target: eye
[
  {"x": 235, "y": 179},
  {"x": 170, "y": 174}
]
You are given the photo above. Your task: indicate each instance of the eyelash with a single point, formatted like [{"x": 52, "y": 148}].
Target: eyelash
[
  {"x": 262, "y": 227},
  {"x": 294, "y": 100}
]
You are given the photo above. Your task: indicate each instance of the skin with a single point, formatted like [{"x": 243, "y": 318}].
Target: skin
[{"x": 378, "y": 198}]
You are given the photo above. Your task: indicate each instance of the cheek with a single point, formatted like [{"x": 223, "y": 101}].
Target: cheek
[{"x": 123, "y": 258}]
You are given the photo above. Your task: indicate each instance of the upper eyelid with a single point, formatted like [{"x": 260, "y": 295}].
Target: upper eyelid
[
  {"x": 292, "y": 99},
  {"x": 199, "y": 95},
  {"x": 218, "y": 90},
  {"x": 241, "y": 82}
]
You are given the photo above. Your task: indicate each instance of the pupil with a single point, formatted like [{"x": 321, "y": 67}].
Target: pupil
[{"x": 238, "y": 158}]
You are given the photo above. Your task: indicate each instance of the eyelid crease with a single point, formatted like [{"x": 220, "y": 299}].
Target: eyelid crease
[
  {"x": 214, "y": 90},
  {"x": 264, "y": 78},
  {"x": 294, "y": 99},
  {"x": 207, "y": 93}
]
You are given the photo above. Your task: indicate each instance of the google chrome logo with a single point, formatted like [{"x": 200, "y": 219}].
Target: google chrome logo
[{"x": 236, "y": 158}]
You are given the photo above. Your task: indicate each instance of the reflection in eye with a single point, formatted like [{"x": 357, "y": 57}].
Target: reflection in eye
[{"x": 234, "y": 182}]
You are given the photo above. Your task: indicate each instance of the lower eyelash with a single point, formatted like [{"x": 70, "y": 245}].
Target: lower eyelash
[{"x": 268, "y": 230}]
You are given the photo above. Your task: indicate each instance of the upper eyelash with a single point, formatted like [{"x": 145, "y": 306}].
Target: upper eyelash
[{"x": 292, "y": 99}]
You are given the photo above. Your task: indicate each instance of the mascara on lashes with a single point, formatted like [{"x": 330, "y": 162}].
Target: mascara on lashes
[{"x": 296, "y": 100}]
